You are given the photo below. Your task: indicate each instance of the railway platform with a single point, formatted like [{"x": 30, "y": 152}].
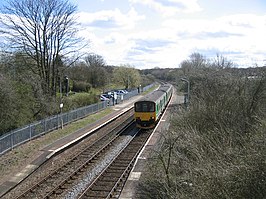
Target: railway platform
[{"x": 59, "y": 145}]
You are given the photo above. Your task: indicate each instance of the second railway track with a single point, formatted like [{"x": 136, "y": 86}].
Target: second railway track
[{"x": 57, "y": 182}]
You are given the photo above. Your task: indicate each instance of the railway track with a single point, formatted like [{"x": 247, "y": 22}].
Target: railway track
[
  {"x": 110, "y": 183},
  {"x": 54, "y": 184}
]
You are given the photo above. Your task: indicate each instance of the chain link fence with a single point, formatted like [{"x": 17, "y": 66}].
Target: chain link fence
[{"x": 31, "y": 131}]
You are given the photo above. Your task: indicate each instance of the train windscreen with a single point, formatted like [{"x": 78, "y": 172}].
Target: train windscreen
[{"x": 144, "y": 107}]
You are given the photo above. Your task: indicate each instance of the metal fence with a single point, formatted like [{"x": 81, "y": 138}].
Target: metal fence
[
  {"x": 19, "y": 136},
  {"x": 22, "y": 135}
]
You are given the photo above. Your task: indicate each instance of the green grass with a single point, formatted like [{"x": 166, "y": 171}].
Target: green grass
[
  {"x": 74, "y": 126},
  {"x": 21, "y": 155}
]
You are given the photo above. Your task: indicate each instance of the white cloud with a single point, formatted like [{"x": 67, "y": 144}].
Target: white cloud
[
  {"x": 110, "y": 19},
  {"x": 234, "y": 35},
  {"x": 120, "y": 38},
  {"x": 171, "y": 7}
]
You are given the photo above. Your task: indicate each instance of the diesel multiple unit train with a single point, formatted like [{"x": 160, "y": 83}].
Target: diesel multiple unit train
[{"x": 150, "y": 107}]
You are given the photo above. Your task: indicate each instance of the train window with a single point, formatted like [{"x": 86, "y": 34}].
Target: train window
[
  {"x": 138, "y": 107},
  {"x": 151, "y": 107},
  {"x": 144, "y": 107}
]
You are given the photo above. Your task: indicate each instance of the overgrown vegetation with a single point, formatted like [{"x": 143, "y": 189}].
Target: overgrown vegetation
[{"x": 216, "y": 148}]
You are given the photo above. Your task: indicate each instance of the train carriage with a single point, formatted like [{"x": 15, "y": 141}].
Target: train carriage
[{"x": 150, "y": 107}]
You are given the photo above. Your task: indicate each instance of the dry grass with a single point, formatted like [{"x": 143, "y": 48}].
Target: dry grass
[{"x": 216, "y": 149}]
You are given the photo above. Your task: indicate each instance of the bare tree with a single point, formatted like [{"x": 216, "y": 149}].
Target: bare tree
[
  {"x": 94, "y": 60},
  {"x": 98, "y": 76},
  {"x": 195, "y": 62},
  {"x": 222, "y": 62},
  {"x": 45, "y": 31}
]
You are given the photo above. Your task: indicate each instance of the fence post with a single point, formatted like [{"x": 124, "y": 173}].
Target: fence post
[
  {"x": 58, "y": 124},
  {"x": 11, "y": 140},
  {"x": 45, "y": 127},
  {"x": 30, "y": 131}
]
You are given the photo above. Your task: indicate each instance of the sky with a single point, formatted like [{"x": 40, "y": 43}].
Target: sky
[{"x": 163, "y": 33}]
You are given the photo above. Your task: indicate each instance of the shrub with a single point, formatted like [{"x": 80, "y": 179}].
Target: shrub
[
  {"x": 81, "y": 86},
  {"x": 217, "y": 148},
  {"x": 79, "y": 100},
  {"x": 8, "y": 105}
]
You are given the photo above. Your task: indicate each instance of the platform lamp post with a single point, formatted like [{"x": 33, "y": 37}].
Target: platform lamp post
[
  {"x": 61, "y": 103},
  {"x": 187, "y": 96},
  {"x": 66, "y": 84}
]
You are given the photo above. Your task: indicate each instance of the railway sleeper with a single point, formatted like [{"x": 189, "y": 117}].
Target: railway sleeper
[
  {"x": 58, "y": 191},
  {"x": 96, "y": 194},
  {"x": 131, "y": 150},
  {"x": 102, "y": 188},
  {"x": 120, "y": 162},
  {"x": 116, "y": 171},
  {"x": 61, "y": 189},
  {"x": 94, "y": 161},
  {"x": 118, "y": 167},
  {"x": 126, "y": 158},
  {"x": 113, "y": 175},
  {"x": 85, "y": 155},
  {"x": 104, "y": 183},
  {"x": 107, "y": 179},
  {"x": 83, "y": 168}
]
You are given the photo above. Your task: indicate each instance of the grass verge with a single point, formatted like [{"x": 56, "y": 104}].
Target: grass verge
[{"x": 12, "y": 161}]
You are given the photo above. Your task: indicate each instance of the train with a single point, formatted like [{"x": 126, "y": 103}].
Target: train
[{"x": 148, "y": 109}]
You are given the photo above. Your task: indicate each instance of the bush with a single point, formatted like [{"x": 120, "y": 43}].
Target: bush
[
  {"x": 8, "y": 105},
  {"x": 81, "y": 86},
  {"x": 79, "y": 100},
  {"x": 217, "y": 148}
]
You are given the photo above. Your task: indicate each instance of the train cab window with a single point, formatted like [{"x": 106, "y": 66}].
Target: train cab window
[
  {"x": 151, "y": 107},
  {"x": 138, "y": 107},
  {"x": 144, "y": 107}
]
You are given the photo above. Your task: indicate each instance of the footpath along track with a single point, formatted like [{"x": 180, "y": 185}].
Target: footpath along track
[
  {"x": 57, "y": 182},
  {"x": 110, "y": 183}
]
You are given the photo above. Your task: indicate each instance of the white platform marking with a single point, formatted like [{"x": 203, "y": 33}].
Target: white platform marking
[{"x": 134, "y": 176}]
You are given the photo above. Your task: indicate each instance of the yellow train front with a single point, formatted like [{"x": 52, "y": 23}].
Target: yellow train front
[
  {"x": 145, "y": 114},
  {"x": 150, "y": 107}
]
